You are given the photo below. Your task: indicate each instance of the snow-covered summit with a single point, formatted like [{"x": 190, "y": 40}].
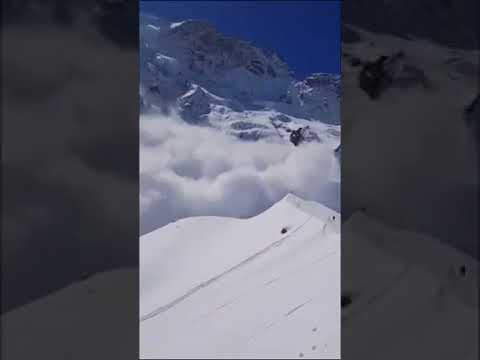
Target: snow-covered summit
[
  {"x": 192, "y": 60},
  {"x": 211, "y": 51},
  {"x": 228, "y": 67}
]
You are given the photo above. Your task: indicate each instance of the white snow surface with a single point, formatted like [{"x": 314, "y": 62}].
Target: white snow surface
[
  {"x": 407, "y": 293},
  {"x": 217, "y": 287},
  {"x": 442, "y": 306}
]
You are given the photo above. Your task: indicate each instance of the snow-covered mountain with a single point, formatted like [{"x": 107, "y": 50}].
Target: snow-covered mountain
[
  {"x": 267, "y": 286},
  {"x": 214, "y": 80},
  {"x": 262, "y": 277}
]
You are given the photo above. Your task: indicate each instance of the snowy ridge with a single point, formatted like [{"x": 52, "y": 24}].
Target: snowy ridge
[
  {"x": 313, "y": 208},
  {"x": 442, "y": 306},
  {"x": 235, "y": 268},
  {"x": 256, "y": 233}
]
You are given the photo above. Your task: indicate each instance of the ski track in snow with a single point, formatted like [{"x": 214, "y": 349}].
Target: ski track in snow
[
  {"x": 197, "y": 288},
  {"x": 297, "y": 307},
  {"x": 283, "y": 276}
]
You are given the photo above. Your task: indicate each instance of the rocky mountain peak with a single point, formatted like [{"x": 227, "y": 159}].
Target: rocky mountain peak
[
  {"x": 210, "y": 50},
  {"x": 211, "y": 78}
]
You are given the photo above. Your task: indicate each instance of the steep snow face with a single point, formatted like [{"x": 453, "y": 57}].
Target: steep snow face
[
  {"x": 193, "y": 51},
  {"x": 194, "y": 104},
  {"x": 428, "y": 147},
  {"x": 187, "y": 56},
  {"x": 267, "y": 286},
  {"x": 318, "y": 97}
]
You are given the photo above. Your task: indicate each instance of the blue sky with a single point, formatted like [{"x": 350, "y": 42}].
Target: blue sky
[{"x": 306, "y": 34}]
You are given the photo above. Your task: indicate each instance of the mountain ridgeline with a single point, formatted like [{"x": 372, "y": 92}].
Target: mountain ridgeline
[{"x": 214, "y": 80}]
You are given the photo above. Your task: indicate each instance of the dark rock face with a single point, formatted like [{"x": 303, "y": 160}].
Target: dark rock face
[
  {"x": 212, "y": 50},
  {"x": 296, "y": 137},
  {"x": 374, "y": 78},
  {"x": 472, "y": 112},
  {"x": 323, "y": 80},
  {"x": 193, "y": 106},
  {"x": 346, "y": 301},
  {"x": 355, "y": 61},
  {"x": 256, "y": 67},
  {"x": 438, "y": 20},
  {"x": 271, "y": 72},
  {"x": 390, "y": 71},
  {"x": 338, "y": 152},
  {"x": 302, "y": 135}
]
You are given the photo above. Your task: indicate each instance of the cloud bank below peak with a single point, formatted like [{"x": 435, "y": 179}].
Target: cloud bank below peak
[{"x": 197, "y": 171}]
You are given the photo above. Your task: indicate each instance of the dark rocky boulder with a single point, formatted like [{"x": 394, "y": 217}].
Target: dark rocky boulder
[
  {"x": 301, "y": 135},
  {"x": 374, "y": 78},
  {"x": 296, "y": 137}
]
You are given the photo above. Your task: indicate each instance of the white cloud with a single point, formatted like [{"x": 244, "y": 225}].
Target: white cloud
[{"x": 192, "y": 171}]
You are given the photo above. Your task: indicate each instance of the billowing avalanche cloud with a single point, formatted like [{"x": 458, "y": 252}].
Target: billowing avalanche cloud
[
  {"x": 189, "y": 171},
  {"x": 217, "y": 119}
]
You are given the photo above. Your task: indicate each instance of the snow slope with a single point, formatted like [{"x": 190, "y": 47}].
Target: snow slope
[
  {"x": 378, "y": 270},
  {"x": 415, "y": 135},
  {"x": 408, "y": 291},
  {"x": 223, "y": 287},
  {"x": 85, "y": 320}
]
